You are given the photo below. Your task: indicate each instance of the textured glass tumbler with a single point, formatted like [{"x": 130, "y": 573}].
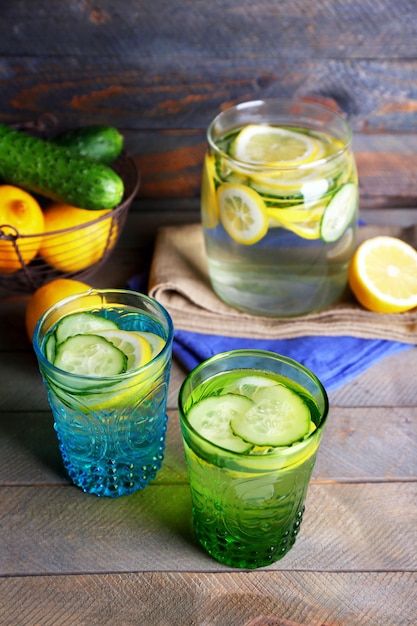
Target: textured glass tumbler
[
  {"x": 247, "y": 508},
  {"x": 111, "y": 430}
]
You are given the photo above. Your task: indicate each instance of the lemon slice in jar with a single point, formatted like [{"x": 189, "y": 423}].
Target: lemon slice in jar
[
  {"x": 272, "y": 145},
  {"x": 309, "y": 229},
  {"x": 209, "y": 208},
  {"x": 242, "y": 212}
]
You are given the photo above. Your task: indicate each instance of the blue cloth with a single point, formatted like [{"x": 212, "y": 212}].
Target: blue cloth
[{"x": 334, "y": 360}]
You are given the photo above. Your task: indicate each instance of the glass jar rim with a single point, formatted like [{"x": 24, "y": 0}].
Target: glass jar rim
[{"x": 277, "y": 106}]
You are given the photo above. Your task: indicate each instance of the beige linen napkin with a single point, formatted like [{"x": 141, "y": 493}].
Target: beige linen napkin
[{"x": 179, "y": 280}]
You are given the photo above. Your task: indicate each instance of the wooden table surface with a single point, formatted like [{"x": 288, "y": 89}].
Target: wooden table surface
[
  {"x": 160, "y": 71},
  {"x": 75, "y": 559}
]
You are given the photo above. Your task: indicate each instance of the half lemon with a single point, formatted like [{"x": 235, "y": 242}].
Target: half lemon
[{"x": 383, "y": 275}]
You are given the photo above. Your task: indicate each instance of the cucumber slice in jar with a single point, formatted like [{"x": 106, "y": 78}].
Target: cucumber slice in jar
[
  {"x": 278, "y": 417},
  {"x": 211, "y": 419},
  {"x": 339, "y": 213},
  {"x": 80, "y": 324},
  {"x": 90, "y": 355}
]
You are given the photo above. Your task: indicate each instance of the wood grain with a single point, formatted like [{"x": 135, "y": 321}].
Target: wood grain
[
  {"x": 135, "y": 93},
  {"x": 221, "y": 28},
  {"x": 60, "y": 530},
  {"x": 206, "y": 599},
  {"x": 173, "y": 65}
]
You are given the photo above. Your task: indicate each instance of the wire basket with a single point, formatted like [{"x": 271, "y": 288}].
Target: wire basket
[{"x": 76, "y": 252}]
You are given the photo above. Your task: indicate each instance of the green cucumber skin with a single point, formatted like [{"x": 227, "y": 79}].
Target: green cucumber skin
[
  {"x": 99, "y": 143},
  {"x": 54, "y": 172}
]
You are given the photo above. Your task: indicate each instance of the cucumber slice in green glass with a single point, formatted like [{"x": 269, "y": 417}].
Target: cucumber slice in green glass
[
  {"x": 278, "y": 417},
  {"x": 81, "y": 323},
  {"x": 339, "y": 213},
  {"x": 90, "y": 355},
  {"x": 211, "y": 419}
]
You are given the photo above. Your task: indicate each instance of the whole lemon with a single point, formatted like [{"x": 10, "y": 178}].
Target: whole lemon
[
  {"x": 47, "y": 295},
  {"x": 87, "y": 236},
  {"x": 21, "y": 228}
]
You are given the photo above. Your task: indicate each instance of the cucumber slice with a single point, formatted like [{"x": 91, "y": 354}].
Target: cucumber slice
[
  {"x": 279, "y": 417},
  {"x": 80, "y": 324},
  {"x": 248, "y": 385},
  {"x": 211, "y": 419},
  {"x": 50, "y": 348},
  {"x": 90, "y": 355},
  {"x": 339, "y": 213}
]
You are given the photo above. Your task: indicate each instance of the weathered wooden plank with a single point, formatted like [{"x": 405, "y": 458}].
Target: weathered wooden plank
[
  {"x": 327, "y": 28},
  {"x": 370, "y": 443},
  {"x": 359, "y": 444},
  {"x": 60, "y": 530},
  {"x": 152, "y": 93},
  {"x": 388, "y": 383},
  {"x": 186, "y": 599}
]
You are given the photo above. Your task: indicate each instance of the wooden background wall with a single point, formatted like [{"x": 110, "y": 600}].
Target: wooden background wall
[{"x": 161, "y": 69}]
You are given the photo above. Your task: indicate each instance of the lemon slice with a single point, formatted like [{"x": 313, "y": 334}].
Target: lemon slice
[
  {"x": 136, "y": 348},
  {"x": 155, "y": 341},
  {"x": 383, "y": 275},
  {"x": 242, "y": 212},
  {"x": 306, "y": 230},
  {"x": 272, "y": 145},
  {"x": 209, "y": 208},
  {"x": 298, "y": 213}
]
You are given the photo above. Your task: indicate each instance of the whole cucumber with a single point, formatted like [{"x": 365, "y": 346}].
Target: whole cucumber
[
  {"x": 98, "y": 142},
  {"x": 53, "y": 171}
]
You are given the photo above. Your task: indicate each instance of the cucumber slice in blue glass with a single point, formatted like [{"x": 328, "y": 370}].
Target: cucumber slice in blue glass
[
  {"x": 90, "y": 355},
  {"x": 81, "y": 323},
  {"x": 50, "y": 346}
]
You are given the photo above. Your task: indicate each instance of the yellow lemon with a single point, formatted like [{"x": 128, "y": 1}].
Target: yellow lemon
[
  {"x": 47, "y": 295},
  {"x": 84, "y": 241},
  {"x": 21, "y": 227},
  {"x": 383, "y": 275}
]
